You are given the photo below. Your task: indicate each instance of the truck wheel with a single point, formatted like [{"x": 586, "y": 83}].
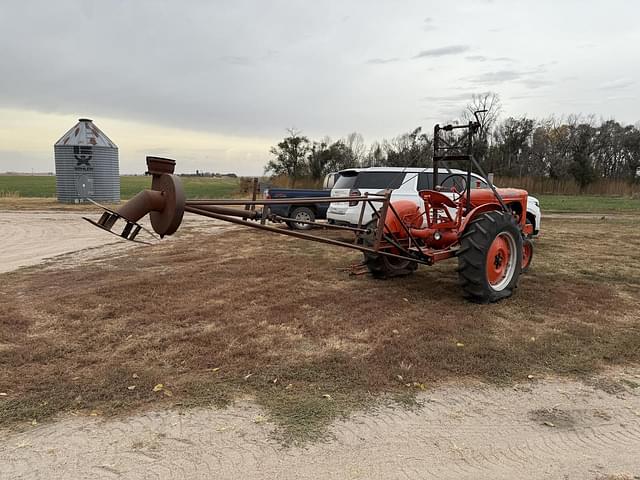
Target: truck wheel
[
  {"x": 304, "y": 214},
  {"x": 490, "y": 256}
]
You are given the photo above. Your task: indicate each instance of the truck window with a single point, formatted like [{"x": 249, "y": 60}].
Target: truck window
[{"x": 379, "y": 180}]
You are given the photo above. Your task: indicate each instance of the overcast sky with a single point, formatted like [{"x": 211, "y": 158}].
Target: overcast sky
[{"x": 214, "y": 83}]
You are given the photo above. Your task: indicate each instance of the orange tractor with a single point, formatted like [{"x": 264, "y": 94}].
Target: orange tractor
[{"x": 485, "y": 229}]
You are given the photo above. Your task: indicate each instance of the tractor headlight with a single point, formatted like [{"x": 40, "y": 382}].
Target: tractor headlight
[{"x": 437, "y": 236}]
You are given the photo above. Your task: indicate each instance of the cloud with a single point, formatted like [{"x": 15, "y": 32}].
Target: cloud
[
  {"x": 235, "y": 60},
  {"x": 382, "y": 61},
  {"x": 495, "y": 77},
  {"x": 618, "y": 98},
  {"x": 477, "y": 58},
  {"x": 535, "y": 82},
  {"x": 617, "y": 84},
  {"x": 457, "y": 97},
  {"x": 428, "y": 24},
  {"x": 543, "y": 67},
  {"x": 529, "y": 78},
  {"x": 448, "y": 107},
  {"x": 442, "y": 51},
  {"x": 482, "y": 58},
  {"x": 525, "y": 97}
]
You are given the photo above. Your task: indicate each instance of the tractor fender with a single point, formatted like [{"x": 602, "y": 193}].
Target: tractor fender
[{"x": 485, "y": 207}]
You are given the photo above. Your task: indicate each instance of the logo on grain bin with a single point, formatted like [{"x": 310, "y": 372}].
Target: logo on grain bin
[{"x": 83, "y": 155}]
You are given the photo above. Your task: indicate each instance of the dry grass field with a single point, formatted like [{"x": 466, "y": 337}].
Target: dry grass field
[{"x": 208, "y": 318}]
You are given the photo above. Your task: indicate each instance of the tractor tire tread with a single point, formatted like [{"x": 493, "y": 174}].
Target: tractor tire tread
[{"x": 475, "y": 243}]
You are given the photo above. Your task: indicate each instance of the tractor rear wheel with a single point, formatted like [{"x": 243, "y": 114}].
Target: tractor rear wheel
[{"x": 490, "y": 256}]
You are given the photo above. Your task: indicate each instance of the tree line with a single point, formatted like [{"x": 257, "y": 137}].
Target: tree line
[{"x": 575, "y": 148}]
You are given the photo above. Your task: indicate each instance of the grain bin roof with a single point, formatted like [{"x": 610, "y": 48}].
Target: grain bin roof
[{"x": 85, "y": 133}]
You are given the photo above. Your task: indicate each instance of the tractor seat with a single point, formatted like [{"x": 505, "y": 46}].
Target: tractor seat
[{"x": 436, "y": 199}]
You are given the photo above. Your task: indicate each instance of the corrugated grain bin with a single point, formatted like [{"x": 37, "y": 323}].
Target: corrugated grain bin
[{"x": 86, "y": 165}]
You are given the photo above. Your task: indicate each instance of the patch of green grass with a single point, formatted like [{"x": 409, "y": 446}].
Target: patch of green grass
[
  {"x": 303, "y": 414},
  {"x": 588, "y": 204},
  {"x": 27, "y": 186},
  {"x": 45, "y": 186}
]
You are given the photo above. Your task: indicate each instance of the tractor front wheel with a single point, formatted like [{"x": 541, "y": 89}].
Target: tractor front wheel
[
  {"x": 490, "y": 257},
  {"x": 383, "y": 266}
]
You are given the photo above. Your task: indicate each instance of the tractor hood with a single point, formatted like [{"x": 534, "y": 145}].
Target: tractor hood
[{"x": 485, "y": 195}]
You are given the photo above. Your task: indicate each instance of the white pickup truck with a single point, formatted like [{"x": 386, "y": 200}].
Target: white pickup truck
[{"x": 405, "y": 183}]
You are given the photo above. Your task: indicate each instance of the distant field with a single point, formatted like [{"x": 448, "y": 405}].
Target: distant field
[
  {"x": 27, "y": 186},
  {"x": 45, "y": 186},
  {"x": 588, "y": 204}
]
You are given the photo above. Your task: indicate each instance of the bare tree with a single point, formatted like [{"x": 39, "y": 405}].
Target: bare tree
[
  {"x": 489, "y": 101},
  {"x": 354, "y": 142}
]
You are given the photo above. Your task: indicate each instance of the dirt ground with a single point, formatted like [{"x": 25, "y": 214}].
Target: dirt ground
[
  {"x": 403, "y": 380},
  {"x": 30, "y": 237},
  {"x": 548, "y": 430}
]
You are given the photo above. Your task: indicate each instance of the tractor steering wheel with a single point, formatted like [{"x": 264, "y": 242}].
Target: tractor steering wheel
[{"x": 458, "y": 185}]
